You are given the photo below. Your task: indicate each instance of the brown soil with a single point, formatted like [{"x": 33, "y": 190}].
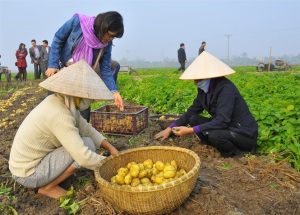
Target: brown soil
[{"x": 232, "y": 186}]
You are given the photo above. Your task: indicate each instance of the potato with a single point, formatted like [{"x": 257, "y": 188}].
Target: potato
[
  {"x": 123, "y": 171},
  {"x": 148, "y": 163},
  {"x": 141, "y": 166},
  {"x": 128, "y": 179},
  {"x": 113, "y": 180},
  {"x": 129, "y": 118},
  {"x": 134, "y": 173},
  {"x": 135, "y": 167},
  {"x": 158, "y": 180},
  {"x": 159, "y": 165},
  {"x": 169, "y": 168},
  {"x": 162, "y": 117},
  {"x": 143, "y": 173},
  {"x": 174, "y": 163},
  {"x": 120, "y": 179},
  {"x": 145, "y": 181},
  {"x": 155, "y": 171},
  {"x": 182, "y": 171},
  {"x": 153, "y": 178},
  {"x": 135, "y": 182},
  {"x": 169, "y": 174},
  {"x": 160, "y": 174},
  {"x": 129, "y": 164},
  {"x": 149, "y": 172}
]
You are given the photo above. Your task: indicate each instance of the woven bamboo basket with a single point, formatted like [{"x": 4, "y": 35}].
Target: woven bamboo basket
[{"x": 157, "y": 199}]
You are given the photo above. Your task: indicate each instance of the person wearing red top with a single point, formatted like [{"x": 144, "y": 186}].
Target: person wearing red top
[{"x": 21, "y": 54}]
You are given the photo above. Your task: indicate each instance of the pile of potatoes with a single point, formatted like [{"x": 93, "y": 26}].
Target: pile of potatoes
[
  {"x": 123, "y": 125},
  {"x": 147, "y": 173}
]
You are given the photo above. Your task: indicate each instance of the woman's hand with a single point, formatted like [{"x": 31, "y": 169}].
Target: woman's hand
[
  {"x": 106, "y": 145},
  {"x": 119, "y": 101},
  {"x": 163, "y": 134},
  {"x": 182, "y": 130},
  {"x": 51, "y": 71},
  {"x": 113, "y": 151}
]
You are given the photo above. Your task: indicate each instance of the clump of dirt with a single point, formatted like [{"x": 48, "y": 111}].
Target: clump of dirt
[{"x": 249, "y": 184}]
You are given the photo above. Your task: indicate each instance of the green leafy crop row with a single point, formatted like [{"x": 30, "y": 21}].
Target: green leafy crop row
[{"x": 273, "y": 98}]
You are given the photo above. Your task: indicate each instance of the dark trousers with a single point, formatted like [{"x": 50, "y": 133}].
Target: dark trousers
[
  {"x": 224, "y": 140},
  {"x": 37, "y": 69},
  {"x": 22, "y": 74},
  {"x": 44, "y": 67},
  {"x": 182, "y": 66}
]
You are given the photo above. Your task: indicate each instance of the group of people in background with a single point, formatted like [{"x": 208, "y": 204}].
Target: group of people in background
[
  {"x": 39, "y": 55},
  {"x": 182, "y": 56}
]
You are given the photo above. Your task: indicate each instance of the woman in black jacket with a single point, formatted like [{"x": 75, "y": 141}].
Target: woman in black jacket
[{"x": 231, "y": 125}]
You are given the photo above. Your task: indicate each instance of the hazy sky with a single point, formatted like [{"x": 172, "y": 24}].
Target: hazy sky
[{"x": 155, "y": 28}]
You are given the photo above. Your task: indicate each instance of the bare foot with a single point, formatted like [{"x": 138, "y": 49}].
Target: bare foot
[{"x": 54, "y": 192}]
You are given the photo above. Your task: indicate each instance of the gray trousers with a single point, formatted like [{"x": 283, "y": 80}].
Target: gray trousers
[
  {"x": 44, "y": 67},
  {"x": 37, "y": 69},
  {"x": 52, "y": 166}
]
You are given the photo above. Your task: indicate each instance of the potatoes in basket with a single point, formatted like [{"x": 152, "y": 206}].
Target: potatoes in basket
[
  {"x": 128, "y": 179},
  {"x": 147, "y": 173}
]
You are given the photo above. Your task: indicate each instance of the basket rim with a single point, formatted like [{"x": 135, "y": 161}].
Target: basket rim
[
  {"x": 143, "y": 108},
  {"x": 153, "y": 188}
]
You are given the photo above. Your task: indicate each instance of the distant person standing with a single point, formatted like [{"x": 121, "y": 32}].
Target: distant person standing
[
  {"x": 35, "y": 55},
  {"x": 181, "y": 57},
  {"x": 21, "y": 54},
  {"x": 202, "y": 48},
  {"x": 115, "y": 68},
  {"x": 45, "y": 51}
]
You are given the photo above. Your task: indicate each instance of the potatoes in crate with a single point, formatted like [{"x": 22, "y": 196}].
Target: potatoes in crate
[{"x": 147, "y": 173}]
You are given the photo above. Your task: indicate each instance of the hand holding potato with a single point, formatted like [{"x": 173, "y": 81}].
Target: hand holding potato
[{"x": 182, "y": 130}]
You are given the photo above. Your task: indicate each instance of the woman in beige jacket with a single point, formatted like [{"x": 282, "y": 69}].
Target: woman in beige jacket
[{"x": 54, "y": 141}]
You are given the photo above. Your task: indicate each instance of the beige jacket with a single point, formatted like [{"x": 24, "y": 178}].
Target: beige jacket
[{"x": 55, "y": 122}]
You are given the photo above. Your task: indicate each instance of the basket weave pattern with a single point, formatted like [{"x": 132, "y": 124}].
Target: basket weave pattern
[
  {"x": 157, "y": 199},
  {"x": 110, "y": 120}
]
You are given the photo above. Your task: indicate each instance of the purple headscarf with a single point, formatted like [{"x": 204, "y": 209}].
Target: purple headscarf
[{"x": 89, "y": 41}]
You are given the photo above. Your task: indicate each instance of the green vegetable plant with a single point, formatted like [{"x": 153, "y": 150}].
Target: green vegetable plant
[
  {"x": 272, "y": 97},
  {"x": 68, "y": 203}
]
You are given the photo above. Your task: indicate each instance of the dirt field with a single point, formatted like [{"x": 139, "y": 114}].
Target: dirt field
[{"x": 250, "y": 184}]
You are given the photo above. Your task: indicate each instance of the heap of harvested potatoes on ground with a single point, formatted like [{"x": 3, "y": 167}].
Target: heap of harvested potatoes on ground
[{"x": 147, "y": 173}]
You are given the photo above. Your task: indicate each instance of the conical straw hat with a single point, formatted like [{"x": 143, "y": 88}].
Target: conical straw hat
[
  {"x": 206, "y": 66},
  {"x": 78, "y": 80}
]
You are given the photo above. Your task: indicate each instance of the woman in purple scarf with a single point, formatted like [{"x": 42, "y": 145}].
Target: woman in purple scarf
[{"x": 82, "y": 37}]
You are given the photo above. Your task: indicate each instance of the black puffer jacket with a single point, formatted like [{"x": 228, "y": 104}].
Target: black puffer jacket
[{"x": 226, "y": 106}]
